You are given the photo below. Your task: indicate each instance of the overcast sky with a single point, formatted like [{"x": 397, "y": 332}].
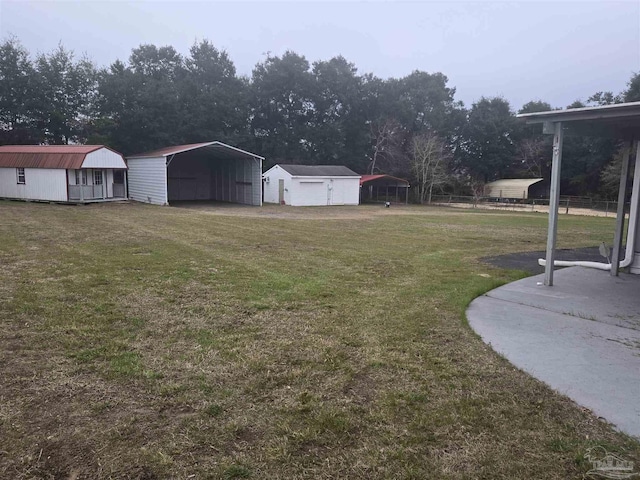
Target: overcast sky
[{"x": 553, "y": 51}]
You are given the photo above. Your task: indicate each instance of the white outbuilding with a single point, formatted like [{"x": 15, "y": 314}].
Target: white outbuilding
[
  {"x": 62, "y": 173},
  {"x": 210, "y": 171},
  {"x": 515, "y": 188},
  {"x": 308, "y": 185}
]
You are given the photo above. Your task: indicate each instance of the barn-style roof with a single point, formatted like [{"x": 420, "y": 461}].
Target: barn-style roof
[
  {"x": 45, "y": 156},
  {"x": 220, "y": 149},
  {"x": 318, "y": 170}
]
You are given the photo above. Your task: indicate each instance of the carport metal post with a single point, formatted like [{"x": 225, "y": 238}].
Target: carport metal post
[
  {"x": 554, "y": 199},
  {"x": 622, "y": 196}
]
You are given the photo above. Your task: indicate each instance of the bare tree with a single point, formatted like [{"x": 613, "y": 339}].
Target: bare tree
[
  {"x": 385, "y": 135},
  {"x": 429, "y": 161},
  {"x": 477, "y": 189},
  {"x": 533, "y": 155}
]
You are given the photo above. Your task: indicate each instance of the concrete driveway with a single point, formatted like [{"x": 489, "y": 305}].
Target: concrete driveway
[{"x": 581, "y": 337}]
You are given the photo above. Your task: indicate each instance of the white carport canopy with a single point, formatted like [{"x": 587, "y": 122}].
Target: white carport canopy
[
  {"x": 201, "y": 171},
  {"x": 620, "y": 121},
  {"x": 510, "y": 187}
]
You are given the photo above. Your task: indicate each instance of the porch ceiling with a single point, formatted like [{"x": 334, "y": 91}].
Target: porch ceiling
[{"x": 614, "y": 121}]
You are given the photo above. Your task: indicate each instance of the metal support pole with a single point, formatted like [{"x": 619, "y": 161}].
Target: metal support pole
[
  {"x": 554, "y": 203},
  {"x": 622, "y": 196}
]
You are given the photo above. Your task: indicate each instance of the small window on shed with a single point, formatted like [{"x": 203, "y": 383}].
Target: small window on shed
[
  {"x": 97, "y": 177},
  {"x": 81, "y": 177},
  {"x": 21, "y": 177}
]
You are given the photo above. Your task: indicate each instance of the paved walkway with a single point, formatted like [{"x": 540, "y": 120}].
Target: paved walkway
[{"x": 581, "y": 337}]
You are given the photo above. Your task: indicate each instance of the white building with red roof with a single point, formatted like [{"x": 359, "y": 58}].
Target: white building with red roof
[{"x": 62, "y": 173}]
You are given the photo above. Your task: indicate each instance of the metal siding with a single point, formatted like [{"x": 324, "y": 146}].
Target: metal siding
[
  {"x": 41, "y": 184},
  {"x": 510, "y": 187},
  {"x": 257, "y": 182},
  {"x": 244, "y": 182},
  {"x": 103, "y": 158},
  {"x": 189, "y": 179},
  {"x": 508, "y": 192},
  {"x": 148, "y": 180}
]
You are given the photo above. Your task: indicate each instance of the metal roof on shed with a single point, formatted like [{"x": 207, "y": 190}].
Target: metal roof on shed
[
  {"x": 45, "y": 156},
  {"x": 510, "y": 187},
  {"x": 221, "y": 148},
  {"x": 318, "y": 170}
]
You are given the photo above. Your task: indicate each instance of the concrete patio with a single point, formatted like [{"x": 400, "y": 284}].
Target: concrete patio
[{"x": 581, "y": 337}]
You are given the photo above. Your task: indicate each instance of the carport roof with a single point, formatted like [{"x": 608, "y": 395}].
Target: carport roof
[
  {"x": 621, "y": 120},
  {"x": 514, "y": 182},
  {"x": 219, "y": 147},
  {"x": 370, "y": 178}
]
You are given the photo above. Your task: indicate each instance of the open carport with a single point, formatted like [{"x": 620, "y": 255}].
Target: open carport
[
  {"x": 375, "y": 188},
  {"x": 211, "y": 171}
]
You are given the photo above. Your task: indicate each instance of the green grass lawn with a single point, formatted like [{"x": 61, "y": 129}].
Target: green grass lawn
[{"x": 272, "y": 343}]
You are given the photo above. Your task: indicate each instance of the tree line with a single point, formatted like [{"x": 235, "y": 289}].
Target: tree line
[{"x": 293, "y": 111}]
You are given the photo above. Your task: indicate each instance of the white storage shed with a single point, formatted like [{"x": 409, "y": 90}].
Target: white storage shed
[
  {"x": 512, "y": 188},
  {"x": 200, "y": 171},
  {"x": 308, "y": 185},
  {"x": 62, "y": 173}
]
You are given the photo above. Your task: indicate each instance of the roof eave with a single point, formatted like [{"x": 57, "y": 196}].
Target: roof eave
[
  {"x": 620, "y": 110},
  {"x": 325, "y": 176}
]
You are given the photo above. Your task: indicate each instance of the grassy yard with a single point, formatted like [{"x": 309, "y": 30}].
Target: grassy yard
[{"x": 277, "y": 343}]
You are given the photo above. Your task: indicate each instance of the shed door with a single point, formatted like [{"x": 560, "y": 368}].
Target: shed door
[{"x": 281, "y": 191}]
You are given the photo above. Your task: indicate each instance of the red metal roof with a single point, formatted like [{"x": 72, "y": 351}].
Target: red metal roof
[
  {"x": 368, "y": 178},
  {"x": 45, "y": 156}
]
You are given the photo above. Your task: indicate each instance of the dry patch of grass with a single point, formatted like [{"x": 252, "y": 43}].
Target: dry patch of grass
[{"x": 145, "y": 342}]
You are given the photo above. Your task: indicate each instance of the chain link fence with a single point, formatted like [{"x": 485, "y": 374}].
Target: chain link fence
[{"x": 568, "y": 205}]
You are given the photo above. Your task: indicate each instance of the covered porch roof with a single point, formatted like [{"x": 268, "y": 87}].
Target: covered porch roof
[{"x": 621, "y": 121}]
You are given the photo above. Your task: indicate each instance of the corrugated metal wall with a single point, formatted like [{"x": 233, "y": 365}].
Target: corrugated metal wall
[
  {"x": 193, "y": 177},
  {"x": 148, "y": 180},
  {"x": 507, "y": 191},
  {"x": 40, "y": 184},
  {"x": 256, "y": 180}
]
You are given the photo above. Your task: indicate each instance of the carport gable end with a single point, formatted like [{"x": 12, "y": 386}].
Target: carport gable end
[
  {"x": 311, "y": 185},
  {"x": 209, "y": 171}
]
